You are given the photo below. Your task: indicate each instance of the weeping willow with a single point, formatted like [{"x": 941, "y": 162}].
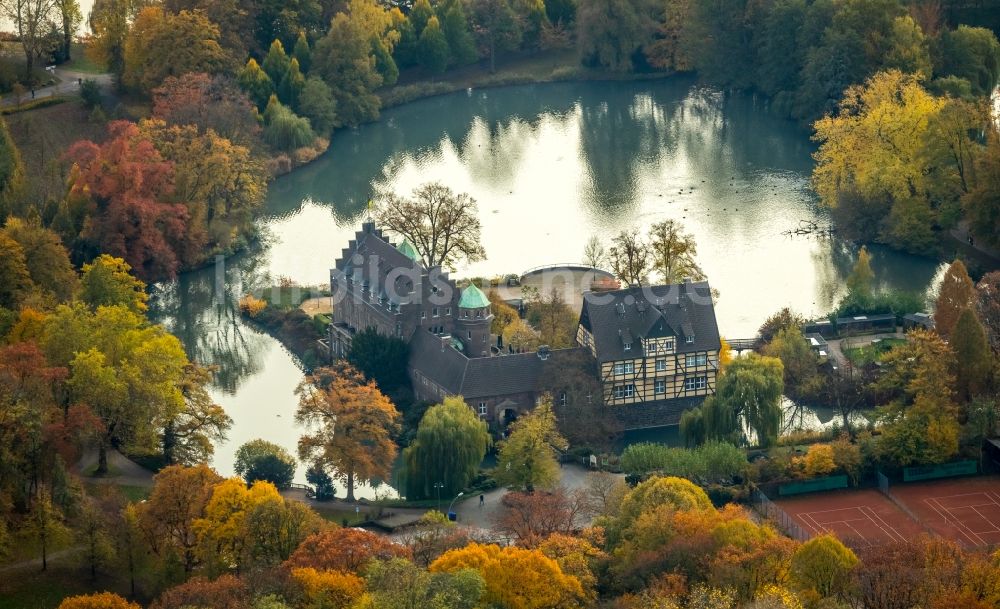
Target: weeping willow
[{"x": 447, "y": 450}]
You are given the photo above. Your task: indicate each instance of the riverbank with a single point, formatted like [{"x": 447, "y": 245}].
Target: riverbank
[{"x": 292, "y": 315}]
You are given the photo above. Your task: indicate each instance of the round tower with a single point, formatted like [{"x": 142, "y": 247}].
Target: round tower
[{"x": 473, "y": 323}]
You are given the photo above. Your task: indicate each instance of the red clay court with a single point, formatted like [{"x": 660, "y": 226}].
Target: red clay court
[
  {"x": 859, "y": 517},
  {"x": 966, "y": 510}
]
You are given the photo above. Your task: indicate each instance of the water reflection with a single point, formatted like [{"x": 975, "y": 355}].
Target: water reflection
[{"x": 550, "y": 165}]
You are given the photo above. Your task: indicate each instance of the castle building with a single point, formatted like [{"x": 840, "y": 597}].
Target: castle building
[{"x": 656, "y": 348}]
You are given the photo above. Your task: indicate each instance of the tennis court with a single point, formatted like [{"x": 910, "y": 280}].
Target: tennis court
[
  {"x": 859, "y": 518},
  {"x": 966, "y": 510}
]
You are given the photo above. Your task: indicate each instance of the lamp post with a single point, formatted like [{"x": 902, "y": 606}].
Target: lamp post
[
  {"x": 439, "y": 486},
  {"x": 450, "y": 505}
]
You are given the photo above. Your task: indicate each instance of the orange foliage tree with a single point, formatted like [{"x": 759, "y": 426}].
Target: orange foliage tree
[
  {"x": 210, "y": 102},
  {"x": 101, "y": 600},
  {"x": 343, "y": 550},
  {"x": 516, "y": 578},
  {"x": 353, "y": 425},
  {"x": 226, "y": 592}
]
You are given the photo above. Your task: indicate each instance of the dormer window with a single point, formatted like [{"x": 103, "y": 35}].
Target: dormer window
[
  {"x": 689, "y": 339},
  {"x": 628, "y": 346}
]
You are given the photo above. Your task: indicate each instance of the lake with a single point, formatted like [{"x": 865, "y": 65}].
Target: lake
[{"x": 550, "y": 165}]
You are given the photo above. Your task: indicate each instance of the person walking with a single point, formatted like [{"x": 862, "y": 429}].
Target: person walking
[{"x": 482, "y": 500}]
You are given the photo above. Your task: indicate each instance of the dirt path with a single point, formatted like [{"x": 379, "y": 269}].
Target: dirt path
[{"x": 317, "y": 306}]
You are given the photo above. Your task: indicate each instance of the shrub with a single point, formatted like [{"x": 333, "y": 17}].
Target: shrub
[
  {"x": 263, "y": 460},
  {"x": 90, "y": 92},
  {"x": 252, "y": 306},
  {"x": 322, "y": 483}
]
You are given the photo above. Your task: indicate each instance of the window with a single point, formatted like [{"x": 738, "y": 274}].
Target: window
[
  {"x": 619, "y": 369},
  {"x": 629, "y": 367},
  {"x": 423, "y": 315},
  {"x": 562, "y": 398},
  {"x": 619, "y": 392},
  {"x": 668, "y": 345},
  {"x": 628, "y": 346},
  {"x": 629, "y": 390},
  {"x": 465, "y": 313},
  {"x": 661, "y": 365},
  {"x": 651, "y": 346},
  {"x": 434, "y": 311},
  {"x": 693, "y": 383},
  {"x": 447, "y": 312},
  {"x": 660, "y": 387},
  {"x": 695, "y": 360},
  {"x": 689, "y": 339},
  {"x": 470, "y": 334},
  {"x": 479, "y": 313},
  {"x": 482, "y": 409}
]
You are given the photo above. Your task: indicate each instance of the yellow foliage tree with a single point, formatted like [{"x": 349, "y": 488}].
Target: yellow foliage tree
[
  {"x": 819, "y": 460},
  {"x": 101, "y": 600},
  {"x": 222, "y": 531},
  {"x": 327, "y": 589},
  {"x": 823, "y": 565},
  {"x": 516, "y": 578}
]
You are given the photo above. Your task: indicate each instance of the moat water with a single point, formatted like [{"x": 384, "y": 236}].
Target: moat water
[{"x": 550, "y": 165}]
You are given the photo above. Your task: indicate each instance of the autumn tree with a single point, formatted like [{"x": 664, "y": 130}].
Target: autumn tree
[
  {"x": 497, "y": 28},
  {"x": 555, "y": 320},
  {"x": 956, "y": 293},
  {"x": 859, "y": 282},
  {"x": 799, "y": 362},
  {"x": 783, "y": 319},
  {"x": 529, "y": 518},
  {"x": 520, "y": 336},
  {"x": 130, "y": 187},
  {"x": 528, "y": 458},
  {"x": 432, "y": 47},
  {"x": 630, "y": 258},
  {"x": 343, "y": 549},
  {"x": 352, "y": 425},
  {"x": 974, "y": 360},
  {"x": 988, "y": 307},
  {"x": 980, "y": 200},
  {"x": 262, "y": 460},
  {"x": 344, "y": 60},
  {"x": 45, "y": 257},
  {"x": 225, "y": 592},
  {"x": 256, "y": 83},
  {"x": 108, "y": 281},
  {"x": 594, "y": 253},
  {"x": 747, "y": 399},
  {"x": 449, "y": 445},
  {"x": 612, "y": 32},
  {"x": 571, "y": 378},
  {"x": 210, "y": 102},
  {"x": 31, "y": 19},
  {"x": 98, "y": 600},
  {"x": 162, "y": 44},
  {"x": 11, "y": 171},
  {"x": 823, "y": 564},
  {"x": 673, "y": 253},
  {"x": 327, "y": 589},
  {"x": 223, "y": 535},
  {"x": 189, "y": 437},
  {"x": 167, "y": 519},
  {"x": 16, "y": 280},
  {"x": 503, "y": 313},
  {"x": 441, "y": 225},
  {"x": 515, "y": 577},
  {"x": 400, "y": 584},
  {"x": 274, "y": 528}
]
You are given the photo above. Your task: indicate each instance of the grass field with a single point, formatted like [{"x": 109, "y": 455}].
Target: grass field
[
  {"x": 873, "y": 352},
  {"x": 79, "y": 61}
]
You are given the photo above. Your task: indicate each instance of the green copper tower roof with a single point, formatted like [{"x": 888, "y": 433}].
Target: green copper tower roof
[
  {"x": 473, "y": 298},
  {"x": 408, "y": 250}
]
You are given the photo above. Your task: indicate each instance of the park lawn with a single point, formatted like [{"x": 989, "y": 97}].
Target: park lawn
[
  {"x": 288, "y": 297},
  {"x": 339, "y": 516},
  {"x": 872, "y": 353},
  {"x": 79, "y": 61},
  {"x": 36, "y": 589}
]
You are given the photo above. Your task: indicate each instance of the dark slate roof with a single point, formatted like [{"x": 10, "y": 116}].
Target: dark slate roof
[
  {"x": 656, "y": 414},
  {"x": 682, "y": 310},
  {"x": 378, "y": 256},
  {"x": 477, "y": 376}
]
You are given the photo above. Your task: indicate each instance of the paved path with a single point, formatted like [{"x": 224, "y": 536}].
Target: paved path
[
  {"x": 123, "y": 470},
  {"x": 69, "y": 84}
]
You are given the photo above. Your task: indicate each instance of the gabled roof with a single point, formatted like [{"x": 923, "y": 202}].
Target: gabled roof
[
  {"x": 680, "y": 310},
  {"x": 473, "y": 298},
  {"x": 369, "y": 257},
  {"x": 475, "y": 377}
]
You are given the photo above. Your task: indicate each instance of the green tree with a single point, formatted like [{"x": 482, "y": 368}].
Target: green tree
[
  {"x": 799, "y": 361},
  {"x": 497, "y": 27},
  {"x": 45, "y": 526},
  {"x": 823, "y": 564},
  {"x": 455, "y": 25},
  {"x": 982, "y": 203},
  {"x": 302, "y": 52},
  {"x": 420, "y": 15},
  {"x": 972, "y": 54},
  {"x": 258, "y": 85},
  {"x": 262, "y": 460},
  {"x": 108, "y": 281},
  {"x": 276, "y": 62},
  {"x": 612, "y": 32},
  {"x": 555, "y": 320},
  {"x": 747, "y": 399},
  {"x": 400, "y": 584},
  {"x": 433, "y": 47},
  {"x": 344, "y": 60},
  {"x": 380, "y": 358},
  {"x": 283, "y": 129},
  {"x": 316, "y": 103},
  {"x": 956, "y": 294},
  {"x": 385, "y": 65},
  {"x": 527, "y": 458},
  {"x": 291, "y": 84},
  {"x": 450, "y": 443},
  {"x": 974, "y": 369},
  {"x": 718, "y": 39},
  {"x": 11, "y": 171},
  {"x": 188, "y": 437}
]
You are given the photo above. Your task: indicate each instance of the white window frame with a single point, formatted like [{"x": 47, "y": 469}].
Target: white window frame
[
  {"x": 659, "y": 387},
  {"x": 689, "y": 339},
  {"x": 694, "y": 383},
  {"x": 628, "y": 346},
  {"x": 618, "y": 369},
  {"x": 628, "y": 368},
  {"x": 661, "y": 365},
  {"x": 483, "y": 409},
  {"x": 434, "y": 312},
  {"x": 630, "y": 390}
]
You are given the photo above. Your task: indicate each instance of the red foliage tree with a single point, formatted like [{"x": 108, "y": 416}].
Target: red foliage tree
[
  {"x": 227, "y": 592},
  {"x": 343, "y": 550},
  {"x": 128, "y": 186},
  {"x": 210, "y": 102},
  {"x": 528, "y": 518}
]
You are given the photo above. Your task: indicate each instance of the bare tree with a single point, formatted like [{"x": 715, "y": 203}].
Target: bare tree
[
  {"x": 673, "y": 252},
  {"x": 594, "y": 253},
  {"x": 442, "y": 226},
  {"x": 630, "y": 257},
  {"x": 31, "y": 18}
]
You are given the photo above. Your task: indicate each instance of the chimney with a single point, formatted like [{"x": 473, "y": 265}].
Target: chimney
[{"x": 543, "y": 352}]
